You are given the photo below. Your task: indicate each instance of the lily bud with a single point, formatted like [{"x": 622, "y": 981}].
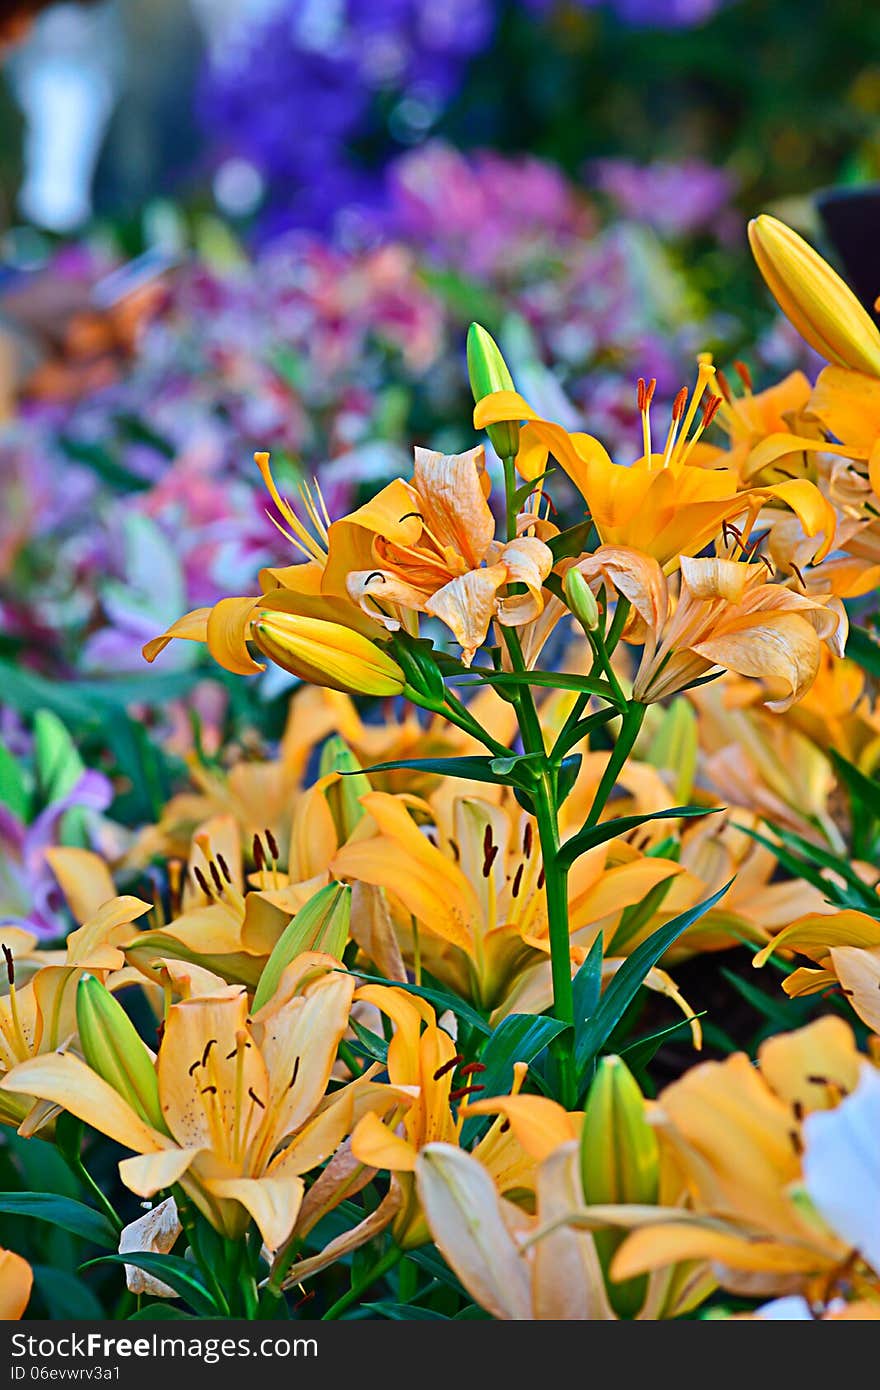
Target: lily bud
[
  {"x": 488, "y": 372},
  {"x": 327, "y": 654},
  {"x": 619, "y": 1163},
  {"x": 112, "y": 1047},
  {"x": 813, "y": 297},
  {"x": 344, "y": 795},
  {"x": 581, "y": 599},
  {"x": 322, "y": 924}
]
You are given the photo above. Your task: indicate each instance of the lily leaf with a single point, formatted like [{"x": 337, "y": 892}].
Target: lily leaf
[
  {"x": 629, "y": 978},
  {"x": 181, "y": 1275},
  {"x": 552, "y": 680},
  {"x": 594, "y": 835},
  {"x": 65, "y": 1212},
  {"x": 574, "y": 541},
  {"x": 500, "y": 771}
]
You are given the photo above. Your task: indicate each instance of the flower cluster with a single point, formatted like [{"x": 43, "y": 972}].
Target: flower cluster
[{"x": 381, "y": 989}]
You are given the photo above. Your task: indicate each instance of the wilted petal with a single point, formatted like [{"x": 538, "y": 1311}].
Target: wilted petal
[
  {"x": 155, "y": 1232},
  {"x": 467, "y": 605}
]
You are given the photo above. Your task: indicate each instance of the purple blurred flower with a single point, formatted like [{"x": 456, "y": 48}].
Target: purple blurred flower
[
  {"x": 675, "y": 198},
  {"x": 317, "y": 78},
  {"x": 29, "y": 894}
]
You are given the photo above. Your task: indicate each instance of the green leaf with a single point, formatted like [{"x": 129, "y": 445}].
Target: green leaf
[
  {"x": 553, "y": 680},
  {"x": 181, "y": 1275},
  {"x": 594, "y": 835},
  {"x": 518, "y": 1038},
  {"x": 523, "y": 493},
  {"x": 87, "y": 701},
  {"x": 66, "y": 1297},
  {"x": 102, "y": 462},
  {"x": 404, "y": 1312},
  {"x": 863, "y": 648},
  {"x": 567, "y": 775},
  {"x": 13, "y": 785},
  {"x": 574, "y": 541},
  {"x": 586, "y": 986},
  {"x": 640, "y": 1052},
  {"x": 374, "y": 1046},
  {"x": 627, "y": 981},
  {"x": 59, "y": 766},
  {"x": 476, "y": 768},
  {"x": 438, "y": 997},
  {"x": 65, "y": 1212}
]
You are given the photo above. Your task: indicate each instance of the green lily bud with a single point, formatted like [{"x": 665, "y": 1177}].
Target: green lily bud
[
  {"x": 112, "y": 1047},
  {"x": 488, "y": 372},
  {"x": 343, "y": 796},
  {"x": 322, "y": 924},
  {"x": 620, "y": 1163},
  {"x": 581, "y": 599}
]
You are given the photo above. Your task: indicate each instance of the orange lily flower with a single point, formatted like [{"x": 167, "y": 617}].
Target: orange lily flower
[
  {"x": 727, "y": 616},
  {"x": 242, "y": 1100},
  {"x": 663, "y": 504},
  {"x": 477, "y": 897},
  {"x": 428, "y": 546},
  {"x": 16, "y": 1282},
  {"x": 737, "y": 1133}
]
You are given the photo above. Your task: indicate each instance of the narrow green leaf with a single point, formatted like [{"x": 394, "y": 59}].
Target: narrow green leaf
[
  {"x": 181, "y": 1275},
  {"x": 552, "y": 680},
  {"x": 626, "y": 982},
  {"x": 587, "y": 986},
  {"x": 574, "y": 541},
  {"x": 518, "y": 1038},
  {"x": 610, "y": 829},
  {"x": 13, "y": 785},
  {"x": 65, "y": 1212}
]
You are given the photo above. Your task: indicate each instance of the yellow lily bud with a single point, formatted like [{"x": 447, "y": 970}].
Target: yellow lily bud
[
  {"x": 326, "y": 654},
  {"x": 322, "y": 924},
  {"x": 112, "y": 1048},
  {"x": 343, "y": 797},
  {"x": 581, "y": 599},
  {"x": 813, "y": 297},
  {"x": 619, "y": 1163},
  {"x": 488, "y": 372}
]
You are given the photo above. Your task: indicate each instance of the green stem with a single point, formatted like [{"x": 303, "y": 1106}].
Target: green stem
[
  {"x": 380, "y": 1268},
  {"x": 629, "y": 732},
  {"x": 509, "y": 466},
  {"x": 572, "y": 734},
  {"x": 621, "y": 613},
  {"x": 556, "y": 887},
  {"x": 78, "y": 1168},
  {"x": 452, "y": 709}
]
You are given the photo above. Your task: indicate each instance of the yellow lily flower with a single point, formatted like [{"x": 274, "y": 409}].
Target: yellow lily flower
[
  {"x": 422, "y": 1059},
  {"x": 477, "y": 896},
  {"x": 229, "y": 923},
  {"x": 428, "y": 546},
  {"x": 727, "y": 616},
  {"x": 813, "y": 297},
  {"x": 522, "y": 1268},
  {"x": 663, "y": 504},
  {"x": 737, "y": 1133},
  {"x": 242, "y": 1099},
  {"x": 39, "y": 1016},
  {"x": 16, "y": 1282},
  {"x": 845, "y": 947}
]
